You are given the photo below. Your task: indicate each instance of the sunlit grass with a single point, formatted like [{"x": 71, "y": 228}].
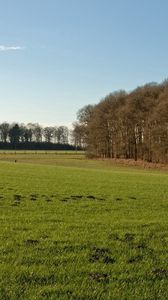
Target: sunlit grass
[{"x": 81, "y": 229}]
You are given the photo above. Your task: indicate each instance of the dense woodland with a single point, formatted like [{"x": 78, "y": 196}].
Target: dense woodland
[
  {"x": 125, "y": 125},
  {"x": 34, "y": 136}
]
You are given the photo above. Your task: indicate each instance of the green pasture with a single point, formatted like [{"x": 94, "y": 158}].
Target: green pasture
[{"x": 79, "y": 229}]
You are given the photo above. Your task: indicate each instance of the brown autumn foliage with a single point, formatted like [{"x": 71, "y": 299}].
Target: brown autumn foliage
[{"x": 127, "y": 125}]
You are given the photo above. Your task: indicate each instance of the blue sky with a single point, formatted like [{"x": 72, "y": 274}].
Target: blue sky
[{"x": 58, "y": 55}]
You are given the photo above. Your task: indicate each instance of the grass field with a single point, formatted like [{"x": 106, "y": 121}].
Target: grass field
[{"x": 81, "y": 229}]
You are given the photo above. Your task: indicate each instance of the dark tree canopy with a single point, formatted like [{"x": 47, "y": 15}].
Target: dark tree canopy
[{"x": 34, "y": 137}]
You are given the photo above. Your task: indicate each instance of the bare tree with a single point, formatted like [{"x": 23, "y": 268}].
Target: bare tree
[
  {"x": 48, "y": 134},
  {"x": 4, "y": 131},
  {"x": 127, "y": 125}
]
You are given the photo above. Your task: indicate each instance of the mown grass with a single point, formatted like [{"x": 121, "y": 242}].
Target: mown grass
[{"x": 82, "y": 230}]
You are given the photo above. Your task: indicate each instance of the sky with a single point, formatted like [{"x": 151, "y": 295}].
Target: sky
[{"x": 57, "y": 56}]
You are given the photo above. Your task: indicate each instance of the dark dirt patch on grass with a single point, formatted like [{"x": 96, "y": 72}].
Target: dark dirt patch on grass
[
  {"x": 33, "y": 197},
  {"x": 80, "y": 197},
  {"x": 53, "y": 196},
  {"x": 65, "y": 199},
  {"x": 47, "y": 198},
  {"x": 118, "y": 199},
  {"x": 75, "y": 197},
  {"x": 31, "y": 242},
  {"x": 160, "y": 272},
  {"x": 129, "y": 237},
  {"x": 99, "y": 277},
  {"x": 141, "y": 245},
  {"x": 91, "y": 197},
  {"x": 134, "y": 259},
  {"x": 132, "y": 198},
  {"x": 17, "y": 197},
  {"x": 101, "y": 255}
]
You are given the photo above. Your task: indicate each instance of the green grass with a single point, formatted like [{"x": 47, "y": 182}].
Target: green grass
[{"x": 80, "y": 229}]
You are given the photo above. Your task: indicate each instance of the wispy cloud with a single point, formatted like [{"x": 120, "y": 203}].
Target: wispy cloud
[{"x": 4, "y": 48}]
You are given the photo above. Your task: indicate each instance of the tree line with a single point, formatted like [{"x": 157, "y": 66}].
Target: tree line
[
  {"x": 33, "y": 136},
  {"x": 129, "y": 125}
]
